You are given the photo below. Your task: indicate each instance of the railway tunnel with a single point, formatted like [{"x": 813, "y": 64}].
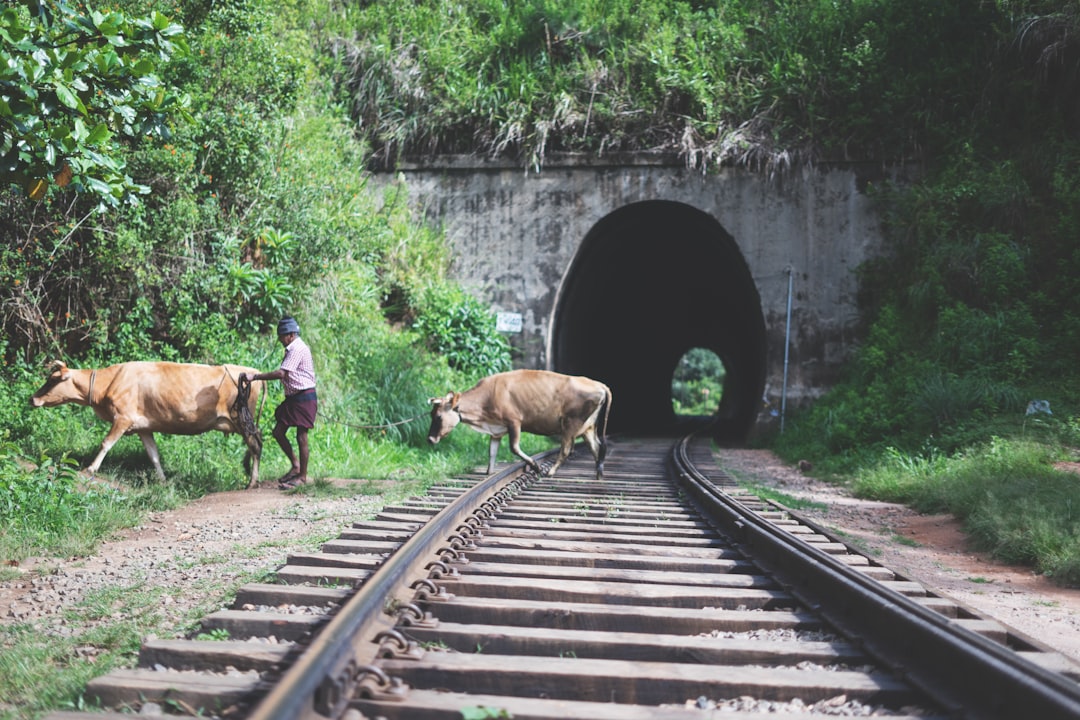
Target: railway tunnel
[{"x": 649, "y": 282}]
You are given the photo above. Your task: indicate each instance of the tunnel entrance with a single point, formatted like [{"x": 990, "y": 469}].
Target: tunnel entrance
[{"x": 650, "y": 282}]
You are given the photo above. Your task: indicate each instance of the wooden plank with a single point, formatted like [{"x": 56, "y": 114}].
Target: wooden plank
[
  {"x": 242, "y": 625},
  {"x": 630, "y": 512},
  {"x": 646, "y": 683},
  {"x": 616, "y": 618},
  {"x": 581, "y": 591},
  {"x": 437, "y": 705},
  {"x": 624, "y": 575},
  {"x": 337, "y": 559},
  {"x": 209, "y": 694},
  {"x": 300, "y": 574},
  {"x": 217, "y": 655},
  {"x": 705, "y": 549},
  {"x": 349, "y": 542},
  {"x": 705, "y": 649},
  {"x": 655, "y": 544},
  {"x": 655, "y": 525},
  {"x": 730, "y": 562},
  {"x": 275, "y": 595}
]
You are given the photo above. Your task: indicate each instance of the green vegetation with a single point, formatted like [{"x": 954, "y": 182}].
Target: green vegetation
[
  {"x": 698, "y": 383},
  {"x": 75, "y": 82},
  {"x": 745, "y": 81},
  {"x": 783, "y": 498}
]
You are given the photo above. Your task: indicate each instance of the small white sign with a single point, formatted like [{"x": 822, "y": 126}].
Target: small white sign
[{"x": 508, "y": 322}]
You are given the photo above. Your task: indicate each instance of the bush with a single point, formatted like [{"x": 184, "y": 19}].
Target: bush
[
  {"x": 44, "y": 506},
  {"x": 462, "y": 329}
]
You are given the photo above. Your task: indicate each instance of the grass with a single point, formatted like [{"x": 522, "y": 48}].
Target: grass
[
  {"x": 1012, "y": 500},
  {"x": 904, "y": 540},
  {"x": 789, "y": 501}
]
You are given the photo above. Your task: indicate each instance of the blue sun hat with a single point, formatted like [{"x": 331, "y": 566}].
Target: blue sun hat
[{"x": 288, "y": 326}]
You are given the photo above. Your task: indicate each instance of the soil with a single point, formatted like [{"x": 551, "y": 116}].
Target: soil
[{"x": 196, "y": 547}]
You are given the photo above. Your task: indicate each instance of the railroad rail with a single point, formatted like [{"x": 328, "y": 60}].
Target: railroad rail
[{"x": 663, "y": 591}]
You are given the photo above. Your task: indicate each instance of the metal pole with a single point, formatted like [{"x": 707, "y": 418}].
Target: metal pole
[{"x": 787, "y": 346}]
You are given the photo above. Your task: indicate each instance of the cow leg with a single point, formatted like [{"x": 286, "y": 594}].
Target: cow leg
[
  {"x": 566, "y": 449},
  {"x": 251, "y": 457},
  {"x": 515, "y": 447},
  {"x": 251, "y": 461},
  {"x": 598, "y": 450},
  {"x": 152, "y": 450},
  {"x": 493, "y": 451},
  {"x": 119, "y": 427}
]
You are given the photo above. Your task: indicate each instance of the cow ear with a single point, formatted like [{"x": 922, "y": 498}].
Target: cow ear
[
  {"x": 59, "y": 366},
  {"x": 454, "y": 399}
]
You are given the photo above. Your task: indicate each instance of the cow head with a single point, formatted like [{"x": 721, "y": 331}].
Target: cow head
[
  {"x": 444, "y": 416},
  {"x": 58, "y": 388}
]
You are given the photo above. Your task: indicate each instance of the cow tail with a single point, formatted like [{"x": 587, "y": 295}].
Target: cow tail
[{"x": 603, "y": 430}]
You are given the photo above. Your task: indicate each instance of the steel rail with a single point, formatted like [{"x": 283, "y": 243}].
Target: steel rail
[
  {"x": 322, "y": 681},
  {"x": 971, "y": 676}
]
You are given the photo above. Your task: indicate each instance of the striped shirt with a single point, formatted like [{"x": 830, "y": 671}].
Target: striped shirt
[{"x": 299, "y": 367}]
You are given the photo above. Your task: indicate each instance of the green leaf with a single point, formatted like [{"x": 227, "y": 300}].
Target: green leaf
[
  {"x": 66, "y": 96},
  {"x": 99, "y": 134}
]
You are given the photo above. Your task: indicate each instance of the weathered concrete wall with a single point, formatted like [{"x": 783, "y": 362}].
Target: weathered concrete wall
[{"x": 515, "y": 234}]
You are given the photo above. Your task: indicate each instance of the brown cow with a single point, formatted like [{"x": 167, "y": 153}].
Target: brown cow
[
  {"x": 149, "y": 397},
  {"x": 534, "y": 401}
]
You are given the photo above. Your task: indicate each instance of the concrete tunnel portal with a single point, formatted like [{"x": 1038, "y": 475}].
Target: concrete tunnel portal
[{"x": 649, "y": 282}]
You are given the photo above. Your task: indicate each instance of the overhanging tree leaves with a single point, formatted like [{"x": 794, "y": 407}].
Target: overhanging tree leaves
[{"x": 72, "y": 85}]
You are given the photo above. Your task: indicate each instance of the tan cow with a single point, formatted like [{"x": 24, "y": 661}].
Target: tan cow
[
  {"x": 534, "y": 401},
  {"x": 149, "y": 397}
]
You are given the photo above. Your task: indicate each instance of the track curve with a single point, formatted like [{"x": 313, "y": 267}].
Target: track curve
[{"x": 663, "y": 591}]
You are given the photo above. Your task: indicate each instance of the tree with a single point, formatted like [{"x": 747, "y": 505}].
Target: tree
[{"x": 72, "y": 86}]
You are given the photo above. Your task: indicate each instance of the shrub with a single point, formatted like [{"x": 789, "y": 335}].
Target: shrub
[{"x": 462, "y": 329}]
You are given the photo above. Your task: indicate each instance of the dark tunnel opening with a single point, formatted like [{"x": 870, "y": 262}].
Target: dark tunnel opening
[{"x": 651, "y": 281}]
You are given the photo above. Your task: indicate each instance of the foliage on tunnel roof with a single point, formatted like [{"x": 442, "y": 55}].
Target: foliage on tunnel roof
[{"x": 749, "y": 82}]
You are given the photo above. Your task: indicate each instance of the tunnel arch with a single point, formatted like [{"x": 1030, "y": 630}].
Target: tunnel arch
[{"x": 650, "y": 281}]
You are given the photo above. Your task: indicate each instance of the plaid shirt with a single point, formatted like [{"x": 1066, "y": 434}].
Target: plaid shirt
[{"x": 299, "y": 367}]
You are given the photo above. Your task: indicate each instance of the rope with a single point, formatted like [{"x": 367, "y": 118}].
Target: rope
[
  {"x": 369, "y": 427},
  {"x": 244, "y": 420},
  {"x": 247, "y": 423}
]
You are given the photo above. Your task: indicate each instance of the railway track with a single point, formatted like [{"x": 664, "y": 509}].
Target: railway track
[{"x": 662, "y": 591}]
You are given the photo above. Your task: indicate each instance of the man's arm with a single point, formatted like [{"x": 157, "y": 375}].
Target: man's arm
[{"x": 278, "y": 374}]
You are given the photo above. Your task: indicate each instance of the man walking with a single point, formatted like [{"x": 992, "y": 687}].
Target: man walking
[{"x": 298, "y": 410}]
